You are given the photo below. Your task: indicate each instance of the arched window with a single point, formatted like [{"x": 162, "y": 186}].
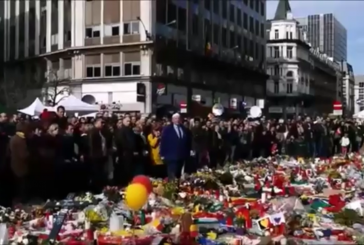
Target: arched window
[
  {"x": 289, "y": 74},
  {"x": 89, "y": 99}
]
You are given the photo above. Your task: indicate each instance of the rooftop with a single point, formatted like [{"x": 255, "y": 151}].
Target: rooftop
[{"x": 282, "y": 9}]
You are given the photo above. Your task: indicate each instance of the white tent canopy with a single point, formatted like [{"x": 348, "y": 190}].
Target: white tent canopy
[
  {"x": 359, "y": 115},
  {"x": 35, "y": 109},
  {"x": 71, "y": 103}
]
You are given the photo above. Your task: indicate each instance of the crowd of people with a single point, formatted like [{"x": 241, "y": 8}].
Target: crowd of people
[{"x": 54, "y": 155}]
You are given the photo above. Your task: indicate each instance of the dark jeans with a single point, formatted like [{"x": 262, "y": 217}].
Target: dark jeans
[
  {"x": 174, "y": 168},
  {"x": 98, "y": 174}
]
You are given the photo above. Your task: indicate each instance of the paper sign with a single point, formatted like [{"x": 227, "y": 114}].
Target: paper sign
[
  {"x": 263, "y": 223},
  {"x": 277, "y": 218},
  {"x": 57, "y": 225}
]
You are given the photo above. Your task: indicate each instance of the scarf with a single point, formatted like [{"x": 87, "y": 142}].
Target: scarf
[{"x": 20, "y": 134}]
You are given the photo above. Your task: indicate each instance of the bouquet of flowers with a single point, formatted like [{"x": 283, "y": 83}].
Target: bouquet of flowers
[{"x": 112, "y": 193}]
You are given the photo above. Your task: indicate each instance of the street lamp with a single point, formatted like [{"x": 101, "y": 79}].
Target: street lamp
[{"x": 147, "y": 34}]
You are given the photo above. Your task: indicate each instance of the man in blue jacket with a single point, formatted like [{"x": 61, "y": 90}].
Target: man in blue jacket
[{"x": 175, "y": 147}]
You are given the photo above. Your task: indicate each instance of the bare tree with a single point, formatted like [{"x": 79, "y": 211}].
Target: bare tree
[{"x": 56, "y": 88}]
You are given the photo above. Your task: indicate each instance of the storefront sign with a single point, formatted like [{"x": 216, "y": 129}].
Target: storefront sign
[
  {"x": 234, "y": 103},
  {"x": 183, "y": 107},
  {"x": 161, "y": 89}
]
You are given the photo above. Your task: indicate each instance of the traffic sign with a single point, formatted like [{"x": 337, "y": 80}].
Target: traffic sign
[{"x": 337, "y": 108}]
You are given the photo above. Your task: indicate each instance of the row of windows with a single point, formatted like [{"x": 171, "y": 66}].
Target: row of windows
[
  {"x": 228, "y": 8},
  {"x": 289, "y": 87},
  {"x": 129, "y": 28},
  {"x": 248, "y": 23},
  {"x": 178, "y": 16},
  {"x": 276, "y": 52},
  {"x": 114, "y": 70},
  {"x": 289, "y": 35}
]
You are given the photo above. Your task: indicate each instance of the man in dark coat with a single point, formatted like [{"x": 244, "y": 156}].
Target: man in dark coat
[
  {"x": 175, "y": 147},
  {"x": 128, "y": 151},
  {"x": 98, "y": 155},
  {"x": 20, "y": 162}
]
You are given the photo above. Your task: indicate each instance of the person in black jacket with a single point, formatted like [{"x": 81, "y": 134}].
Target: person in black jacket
[
  {"x": 98, "y": 155},
  {"x": 128, "y": 153}
]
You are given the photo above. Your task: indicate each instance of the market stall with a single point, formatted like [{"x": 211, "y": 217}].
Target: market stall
[{"x": 35, "y": 109}]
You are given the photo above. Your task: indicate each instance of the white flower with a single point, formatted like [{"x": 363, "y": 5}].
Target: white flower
[
  {"x": 25, "y": 241},
  {"x": 182, "y": 194},
  {"x": 19, "y": 239}
]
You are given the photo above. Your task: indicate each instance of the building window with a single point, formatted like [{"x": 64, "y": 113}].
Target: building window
[
  {"x": 276, "y": 52},
  {"x": 262, "y": 8},
  {"x": 262, "y": 30},
  {"x": 289, "y": 87},
  {"x": 112, "y": 70},
  {"x": 251, "y": 24},
  {"x": 270, "y": 52},
  {"x": 245, "y": 21},
  {"x": 289, "y": 52},
  {"x": 257, "y": 6},
  {"x": 224, "y": 37},
  {"x": 361, "y": 85},
  {"x": 207, "y": 4},
  {"x": 216, "y": 5},
  {"x": 93, "y": 71},
  {"x": 251, "y": 4},
  {"x": 67, "y": 36},
  {"x": 290, "y": 35},
  {"x": 238, "y": 16},
  {"x": 224, "y": 4},
  {"x": 276, "y": 70},
  {"x": 257, "y": 28},
  {"x": 276, "y": 87},
  {"x": 54, "y": 39},
  {"x": 112, "y": 30},
  {"x": 232, "y": 13},
  {"x": 131, "y": 28},
  {"x": 92, "y": 32},
  {"x": 132, "y": 69},
  {"x": 216, "y": 34},
  {"x": 194, "y": 25},
  {"x": 276, "y": 34},
  {"x": 232, "y": 40}
]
